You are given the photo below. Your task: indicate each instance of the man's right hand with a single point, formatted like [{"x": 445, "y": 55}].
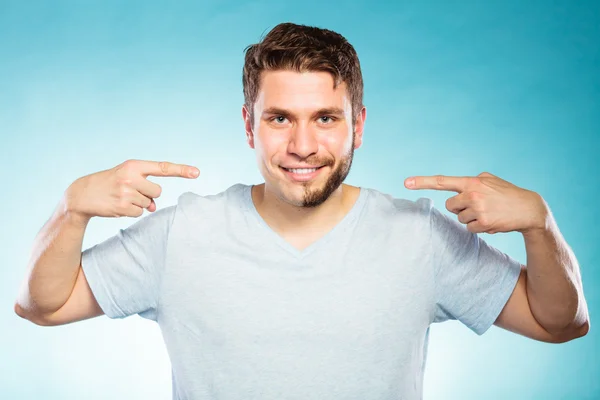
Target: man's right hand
[{"x": 122, "y": 191}]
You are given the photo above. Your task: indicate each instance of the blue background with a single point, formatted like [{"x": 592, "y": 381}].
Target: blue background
[{"x": 456, "y": 89}]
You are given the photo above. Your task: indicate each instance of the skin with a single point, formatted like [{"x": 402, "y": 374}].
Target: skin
[{"x": 299, "y": 133}]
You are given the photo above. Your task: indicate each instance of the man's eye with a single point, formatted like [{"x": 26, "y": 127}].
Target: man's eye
[
  {"x": 326, "y": 119},
  {"x": 279, "y": 119}
]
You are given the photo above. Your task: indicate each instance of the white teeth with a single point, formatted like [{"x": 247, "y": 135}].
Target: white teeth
[{"x": 303, "y": 170}]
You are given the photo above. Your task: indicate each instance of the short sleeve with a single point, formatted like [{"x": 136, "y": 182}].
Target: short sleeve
[
  {"x": 124, "y": 272},
  {"x": 473, "y": 280}
]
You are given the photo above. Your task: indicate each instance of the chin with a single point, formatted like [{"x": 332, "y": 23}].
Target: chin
[
  {"x": 295, "y": 194},
  {"x": 296, "y": 201},
  {"x": 311, "y": 193}
]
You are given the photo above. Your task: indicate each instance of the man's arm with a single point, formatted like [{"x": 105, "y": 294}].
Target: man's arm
[
  {"x": 518, "y": 318},
  {"x": 548, "y": 302},
  {"x": 80, "y": 305},
  {"x": 55, "y": 290},
  {"x": 555, "y": 290},
  {"x": 55, "y": 273}
]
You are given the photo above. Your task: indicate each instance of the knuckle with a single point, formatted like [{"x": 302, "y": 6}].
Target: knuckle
[
  {"x": 474, "y": 181},
  {"x": 473, "y": 196},
  {"x": 129, "y": 164},
  {"x": 124, "y": 183},
  {"x": 125, "y": 169},
  {"x": 483, "y": 221},
  {"x": 164, "y": 167},
  {"x": 123, "y": 203},
  {"x": 439, "y": 179},
  {"x": 124, "y": 190}
]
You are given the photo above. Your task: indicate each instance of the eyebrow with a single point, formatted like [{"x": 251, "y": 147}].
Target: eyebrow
[{"x": 338, "y": 112}]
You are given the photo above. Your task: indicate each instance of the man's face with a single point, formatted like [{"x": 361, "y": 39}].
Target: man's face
[{"x": 303, "y": 135}]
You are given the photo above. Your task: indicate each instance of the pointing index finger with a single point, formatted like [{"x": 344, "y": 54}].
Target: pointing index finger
[
  {"x": 437, "y": 182},
  {"x": 165, "y": 168}
]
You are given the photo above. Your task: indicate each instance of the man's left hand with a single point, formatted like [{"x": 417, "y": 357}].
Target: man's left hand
[{"x": 488, "y": 204}]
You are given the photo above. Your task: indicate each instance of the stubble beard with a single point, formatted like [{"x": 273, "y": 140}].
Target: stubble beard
[{"x": 314, "y": 197}]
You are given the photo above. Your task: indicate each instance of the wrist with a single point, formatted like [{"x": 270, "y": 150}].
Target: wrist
[
  {"x": 76, "y": 219},
  {"x": 69, "y": 210},
  {"x": 541, "y": 222}
]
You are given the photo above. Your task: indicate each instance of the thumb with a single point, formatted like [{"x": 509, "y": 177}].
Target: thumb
[{"x": 152, "y": 206}]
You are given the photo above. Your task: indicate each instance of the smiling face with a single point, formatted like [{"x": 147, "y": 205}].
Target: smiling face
[{"x": 303, "y": 135}]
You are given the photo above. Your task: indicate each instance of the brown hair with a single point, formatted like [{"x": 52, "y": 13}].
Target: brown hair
[{"x": 303, "y": 48}]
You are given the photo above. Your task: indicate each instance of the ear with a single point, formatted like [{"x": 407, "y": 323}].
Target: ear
[
  {"x": 248, "y": 126},
  {"x": 359, "y": 127}
]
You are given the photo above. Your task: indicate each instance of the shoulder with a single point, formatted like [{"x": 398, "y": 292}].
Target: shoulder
[
  {"x": 190, "y": 203},
  {"x": 390, "y": 206},
  {"x": 397, "y": 216}
]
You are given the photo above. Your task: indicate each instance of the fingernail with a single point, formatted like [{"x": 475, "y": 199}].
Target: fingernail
[
  {"x": 195, "y": 172},
  {"x": 410, "y": 182}
]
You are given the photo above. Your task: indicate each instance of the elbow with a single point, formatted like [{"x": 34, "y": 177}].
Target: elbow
[
  {"x": 20, "y": 311},
  {"x": 575, "y": 332},
  {"x": 585, "y": 328},
  {"x": 579, "y": 329}
]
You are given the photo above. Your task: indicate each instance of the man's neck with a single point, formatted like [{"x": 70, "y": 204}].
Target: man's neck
[{"x": 286, "y": 218}]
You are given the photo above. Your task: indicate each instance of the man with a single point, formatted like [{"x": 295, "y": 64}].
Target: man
[{"x": 303, "y": 287}]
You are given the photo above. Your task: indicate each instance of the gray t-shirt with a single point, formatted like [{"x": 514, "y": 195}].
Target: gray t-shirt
[{"x": 245, "y": 315}]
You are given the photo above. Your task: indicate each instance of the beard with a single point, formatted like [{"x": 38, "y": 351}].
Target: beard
[{"x": 314, "y": 197}]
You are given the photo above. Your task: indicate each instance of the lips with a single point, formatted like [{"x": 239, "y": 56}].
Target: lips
[
  {"x": 304, "y": 167},
  {"x": 302, "y": 174}
]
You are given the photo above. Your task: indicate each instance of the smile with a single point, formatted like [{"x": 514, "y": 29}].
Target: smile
[
  {"x": 301, "y": 170},
  {"x": 301, "y": 174}
]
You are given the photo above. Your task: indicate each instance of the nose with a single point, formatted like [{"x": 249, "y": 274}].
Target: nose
[{"x": 303, "y": 141}]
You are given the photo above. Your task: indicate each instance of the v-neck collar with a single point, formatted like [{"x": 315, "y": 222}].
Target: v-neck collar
[{"x": 284, "y": 244}]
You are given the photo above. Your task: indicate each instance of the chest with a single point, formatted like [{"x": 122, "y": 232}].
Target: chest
[{"x": 359, "y": 297}]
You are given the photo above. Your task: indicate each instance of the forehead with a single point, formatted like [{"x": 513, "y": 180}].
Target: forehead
[{"x": 300, "y": 90}]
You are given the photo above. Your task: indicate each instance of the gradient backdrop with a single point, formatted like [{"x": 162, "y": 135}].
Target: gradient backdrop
[{"x": 458, "y": 89}]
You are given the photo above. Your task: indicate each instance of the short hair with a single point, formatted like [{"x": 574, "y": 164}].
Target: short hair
[{"x": 303, "y": 48}]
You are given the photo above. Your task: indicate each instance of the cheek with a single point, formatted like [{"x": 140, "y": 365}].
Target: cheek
[
  {"x": 348, "y": 143},
  {"x": 339, "y": 144},
  {"x": 269, "y": 143}
]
